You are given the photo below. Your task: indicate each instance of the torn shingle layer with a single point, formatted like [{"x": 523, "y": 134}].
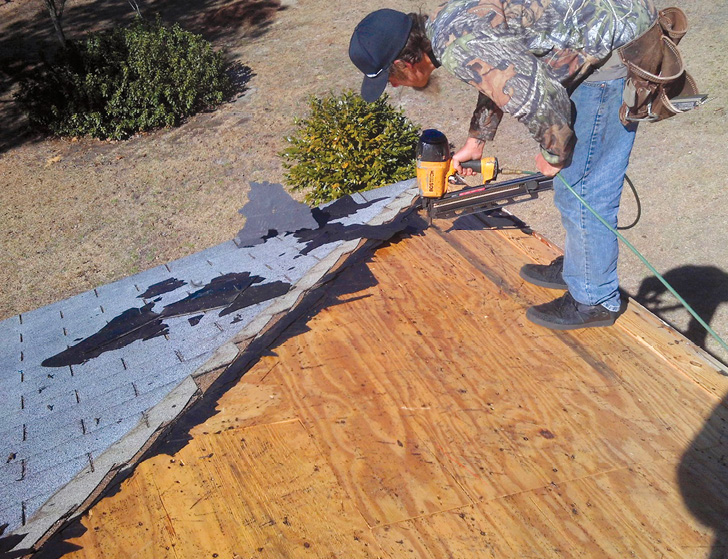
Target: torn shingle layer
[{"x": 82, "y": 378}]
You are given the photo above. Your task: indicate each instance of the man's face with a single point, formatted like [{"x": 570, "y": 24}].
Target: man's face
[{"x": 410, "y": 75}]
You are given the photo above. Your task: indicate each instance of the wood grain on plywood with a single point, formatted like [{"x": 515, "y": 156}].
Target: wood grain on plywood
[
  {"x": 261, "y": 491},
  {"x": 417, "y": 413}
]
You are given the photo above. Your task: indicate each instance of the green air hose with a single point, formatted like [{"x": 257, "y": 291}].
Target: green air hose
[{"x": 646, "y": 263}]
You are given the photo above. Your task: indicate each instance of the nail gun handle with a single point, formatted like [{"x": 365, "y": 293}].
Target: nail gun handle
[
  {"x": 474, "y": 165},
  {"x": 488, "y": 167}
]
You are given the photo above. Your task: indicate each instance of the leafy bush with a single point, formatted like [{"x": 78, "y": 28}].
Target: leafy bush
[
  {"x": 347, "y": 145},
  {"x": 114, "y": 83}
]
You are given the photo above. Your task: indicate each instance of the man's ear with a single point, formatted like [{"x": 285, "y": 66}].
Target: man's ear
[{"x": 401, "y": 64}]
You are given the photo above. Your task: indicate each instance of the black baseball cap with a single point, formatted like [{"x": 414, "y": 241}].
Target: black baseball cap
[{"x": 375, "y": 44}]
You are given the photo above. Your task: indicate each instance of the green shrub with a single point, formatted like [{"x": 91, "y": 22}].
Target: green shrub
[
  {"x": 114, "y": 83},
  {"x": 347, "y": 145}
]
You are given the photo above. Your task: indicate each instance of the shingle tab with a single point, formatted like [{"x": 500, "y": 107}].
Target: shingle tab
[
  {"x": 104, "y": 392},
  {"x": 47, "y": 481},
  {"x": 114, "y": 298},
  {"x": 11, "y": 438},
  {"x": 10, "y": 471},
  {"x": 60, "y": 428},
  {"x": 40, "y": 405},
  {"x": 32, "y": 505}
]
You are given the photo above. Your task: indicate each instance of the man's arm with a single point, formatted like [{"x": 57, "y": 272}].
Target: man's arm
[
  {"x": 503, "y": 70},
  {"x": 486, "y": 118},
  {"x": 483, "y": 126}
]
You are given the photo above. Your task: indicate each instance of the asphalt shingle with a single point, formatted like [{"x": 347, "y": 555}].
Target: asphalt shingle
[{"x": 103, "y": 398}]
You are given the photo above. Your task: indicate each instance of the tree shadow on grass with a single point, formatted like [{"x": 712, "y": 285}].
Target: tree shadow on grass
[{"x": 26, "y": 36}]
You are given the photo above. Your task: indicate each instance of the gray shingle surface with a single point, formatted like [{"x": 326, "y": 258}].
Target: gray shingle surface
[
  {"x": 43, "y": 345},
  {"x": 209, "y": 334},
  {"x": 66, "y": 461},
  {"x": 13, "y": 514},
  {"x": 222, "y": 252},
  {"x": 41, "y": 406},
  {"x": 169, "y": 364},
  {"x": 79, "y": 326},
  {"x": 56, "y": 421},
  {"x": 149, "y": 277},
  {"x": 34, "y": 503},
  {"x": 10, "y": 397},
  {"x": 9, "y": 473},
  {"x": 391, "y": 190},
  {"x": 114, "y": 298},
  {"x": 11, "y": 439},
  {"x": 322, "y": 252},
  {"x": 58, "y": 430},
  {"x": 74, "y": 450},
  {"x": 101, "y": 370}
]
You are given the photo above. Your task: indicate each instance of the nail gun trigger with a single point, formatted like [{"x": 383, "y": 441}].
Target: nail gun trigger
[{"x": 456, "y": 180}]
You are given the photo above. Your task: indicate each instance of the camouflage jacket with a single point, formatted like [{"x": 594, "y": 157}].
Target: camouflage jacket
[{"x": 522, "y": 55}]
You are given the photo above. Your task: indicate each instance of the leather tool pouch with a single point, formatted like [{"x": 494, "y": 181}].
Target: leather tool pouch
[{"x": 655, "y": 70}]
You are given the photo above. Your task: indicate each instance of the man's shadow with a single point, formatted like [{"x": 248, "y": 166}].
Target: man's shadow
[
  {"x": 703, "y": 478},
  {"x": 704, "y": 288}
]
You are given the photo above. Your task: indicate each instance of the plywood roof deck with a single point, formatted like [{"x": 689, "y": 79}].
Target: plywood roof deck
[{"x": 418, "y": 414}]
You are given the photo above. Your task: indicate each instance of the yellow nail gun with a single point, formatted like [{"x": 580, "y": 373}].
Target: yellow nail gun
[{"x": 435, "y": 173}]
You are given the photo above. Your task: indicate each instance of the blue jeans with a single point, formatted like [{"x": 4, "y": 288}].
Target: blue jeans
[{"x": 596, "y": 172}]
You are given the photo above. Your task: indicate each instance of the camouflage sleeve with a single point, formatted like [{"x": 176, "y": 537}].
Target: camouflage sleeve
[
  {"x": 486, "y": 117},
  {"x": 502, "y": 69}
]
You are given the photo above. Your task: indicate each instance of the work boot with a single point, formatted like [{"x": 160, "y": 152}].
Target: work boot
[
  {"x": 545, "y": 275},
  {"x": 565, "y": 313}
]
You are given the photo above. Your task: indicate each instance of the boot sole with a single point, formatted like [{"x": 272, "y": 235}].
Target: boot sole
[
  {"x": 543, "y": 283},
  {"x": 556, "y": 326}
]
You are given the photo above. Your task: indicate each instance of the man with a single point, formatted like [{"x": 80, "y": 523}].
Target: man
[{"x": 553, "y": 66}]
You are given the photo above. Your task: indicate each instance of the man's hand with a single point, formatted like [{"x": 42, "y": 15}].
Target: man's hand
[
  {"x": 472, "y": 150},
  {"x": 546, "y": 168}
]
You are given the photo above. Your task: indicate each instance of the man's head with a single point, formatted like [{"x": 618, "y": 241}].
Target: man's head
[{"x": 388, "y": 45}]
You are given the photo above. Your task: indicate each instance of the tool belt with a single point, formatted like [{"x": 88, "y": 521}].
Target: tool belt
[{"x": 655, "y": 70}]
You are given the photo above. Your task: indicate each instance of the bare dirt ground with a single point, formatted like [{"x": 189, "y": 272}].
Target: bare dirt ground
[{"x": 75, "y": 214}]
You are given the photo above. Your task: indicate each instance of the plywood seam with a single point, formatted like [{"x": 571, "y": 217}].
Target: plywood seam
[
  {"x": 555, "y": 484},
  {"x": 581, "y": 478},
  {"x": 709, "y": 360},
  {"x": 383, "y": 525}
]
